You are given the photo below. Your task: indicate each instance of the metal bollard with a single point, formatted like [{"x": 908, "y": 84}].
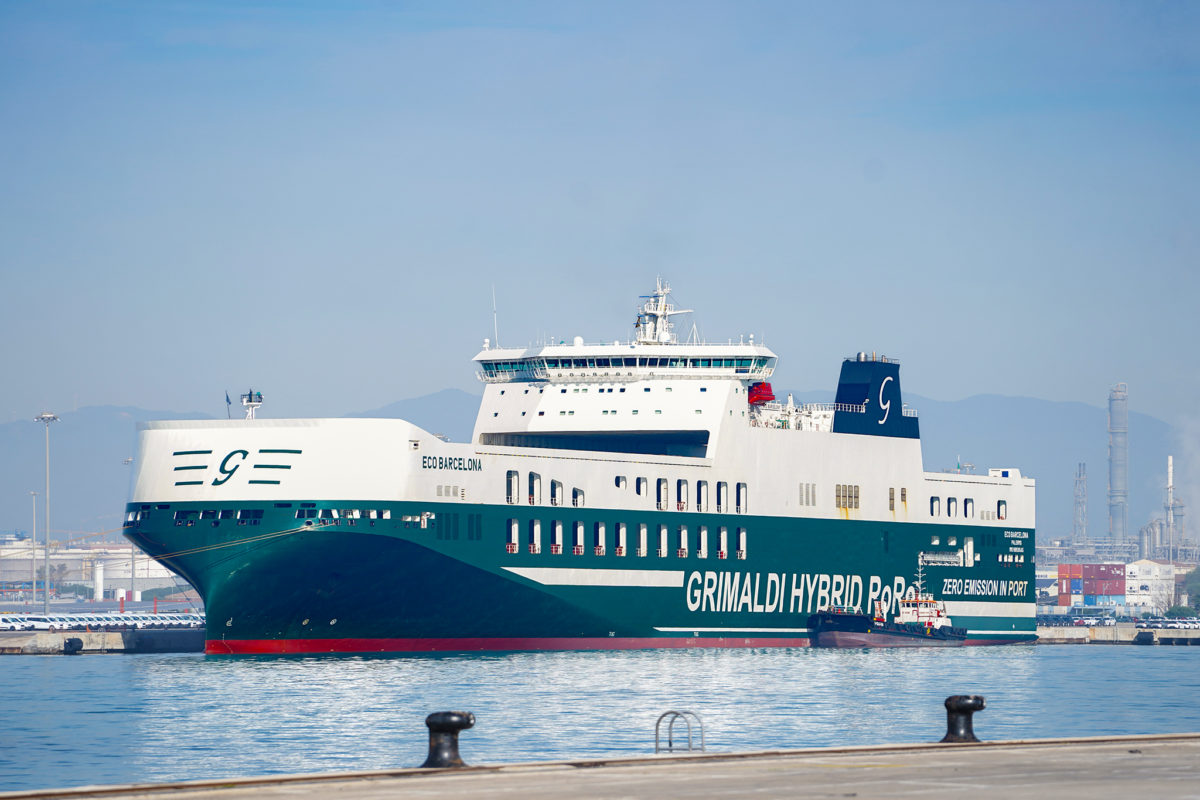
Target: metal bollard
[
  {"x": 443, "y": 737},
  {"x": 959, "y": 709}
]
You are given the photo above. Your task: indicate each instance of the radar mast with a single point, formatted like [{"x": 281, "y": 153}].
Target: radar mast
[{"x": 653, "y": 324}]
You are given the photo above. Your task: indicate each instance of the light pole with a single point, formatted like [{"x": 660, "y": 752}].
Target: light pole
[
  {"x": 33, "y": 551},
  {"x": 46, "y": 417},
  {"x": 132, "y": 556}
]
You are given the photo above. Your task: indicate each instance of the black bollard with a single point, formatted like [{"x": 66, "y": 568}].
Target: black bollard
[
  {"x": 443, "y": 737},
  {"x": 959, "y": 709}
]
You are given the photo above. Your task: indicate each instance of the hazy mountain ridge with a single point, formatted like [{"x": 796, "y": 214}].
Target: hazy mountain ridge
[{"x": 1045, "y": 439}]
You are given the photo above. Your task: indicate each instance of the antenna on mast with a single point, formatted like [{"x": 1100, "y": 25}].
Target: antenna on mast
[{"x": 495, "y": 318}]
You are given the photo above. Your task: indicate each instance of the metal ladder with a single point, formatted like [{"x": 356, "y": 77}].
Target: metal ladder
[{"x": 688, "y": 718}]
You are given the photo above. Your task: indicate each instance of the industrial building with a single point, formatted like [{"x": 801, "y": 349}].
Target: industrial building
[{"x": 107, "y": 570}]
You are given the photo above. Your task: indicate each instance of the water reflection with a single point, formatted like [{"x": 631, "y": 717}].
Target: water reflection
[{"x": 108, "y": 719}]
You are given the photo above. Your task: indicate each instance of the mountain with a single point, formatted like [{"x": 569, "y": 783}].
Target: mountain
[
  {"x": 450, "y": 412},
  {"x": 89, "y": 481}
]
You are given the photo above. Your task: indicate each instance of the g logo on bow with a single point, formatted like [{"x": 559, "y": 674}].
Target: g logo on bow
[{"x": 226, "y": 472}]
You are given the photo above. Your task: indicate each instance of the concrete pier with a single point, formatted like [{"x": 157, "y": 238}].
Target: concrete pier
[
  {"x": 148, "y": 640},
  {"x": 1163, "y": 767},
  {"x": 1121, "y": 633}
]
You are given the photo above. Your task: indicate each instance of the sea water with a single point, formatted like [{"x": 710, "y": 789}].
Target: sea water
[{"x": 102, "y": 719}]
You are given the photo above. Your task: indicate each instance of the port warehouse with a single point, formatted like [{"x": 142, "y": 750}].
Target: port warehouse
[
  {"x": 1140, "y": 588},
  {"x": 104, "y": 567}
]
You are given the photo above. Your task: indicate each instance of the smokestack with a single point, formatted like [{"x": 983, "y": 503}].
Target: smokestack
[
  {"x": 1170, "y": 508},
  {"x": 1118, "y": 463}
]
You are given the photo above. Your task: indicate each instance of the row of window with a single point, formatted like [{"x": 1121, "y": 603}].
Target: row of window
[
  {"x": 686, "y": 542},
  {"x": 968, "y": 508},
  {"x": 845, "y": 496},
  {"x": 682, "y": 499},
  {"x": 245, "y": 516},
  {"x": 534, "y": 365},
  {"x": 892, "y": 497}
]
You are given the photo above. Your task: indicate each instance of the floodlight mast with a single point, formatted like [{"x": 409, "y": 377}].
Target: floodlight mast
[{"x": 46, "y": 418}]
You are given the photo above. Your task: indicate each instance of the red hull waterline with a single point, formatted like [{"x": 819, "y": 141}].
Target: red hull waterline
[{"x": 482, "y": 644}]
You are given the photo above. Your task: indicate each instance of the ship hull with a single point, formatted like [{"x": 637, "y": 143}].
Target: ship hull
[
  {"x": 407, "y": 584},
  {"x": 860, "y": 630}
]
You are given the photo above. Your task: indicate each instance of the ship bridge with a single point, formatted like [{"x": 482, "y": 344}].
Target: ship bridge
[{"x": 652, "y": 395}]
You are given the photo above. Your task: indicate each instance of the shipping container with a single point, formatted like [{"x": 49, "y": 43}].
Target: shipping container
[
  {"x": 1089, "y": 599},
  {"x": 1092, "y": 585},
  {"x": 1091, "y": 571},
  {"x": 1076, "y": 585},
  {"x": 1064, "y": 586},
  {"x": 1064, "y": 571},
  {"x": 1076, "y": 570}
]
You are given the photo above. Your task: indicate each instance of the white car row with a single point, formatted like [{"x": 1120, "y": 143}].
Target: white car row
[
  {"x": 79, "y": 622},
  {"x": 1174, "y": 624}
]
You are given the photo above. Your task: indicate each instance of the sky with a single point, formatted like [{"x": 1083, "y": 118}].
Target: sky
[{"x": 318, "y": 200}]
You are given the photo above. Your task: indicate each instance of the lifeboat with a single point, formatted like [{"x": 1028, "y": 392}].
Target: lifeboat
[{"x": 760, "y": 393}]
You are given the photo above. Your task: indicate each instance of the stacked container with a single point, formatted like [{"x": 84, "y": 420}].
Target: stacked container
[{"x": 1091, "y": 584}]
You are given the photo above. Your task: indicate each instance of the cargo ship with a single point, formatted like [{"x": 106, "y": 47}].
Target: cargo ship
[{"x": 651, "y": 493}]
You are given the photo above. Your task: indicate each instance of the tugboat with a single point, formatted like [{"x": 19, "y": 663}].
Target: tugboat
[{"x": 920, "y": 622}]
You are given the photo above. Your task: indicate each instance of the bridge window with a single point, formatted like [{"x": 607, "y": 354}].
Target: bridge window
[
  {"x": 640, "y": 486},
  {"x": 935, "y": 506},
  {"x": 951, "y": 506},
  {"x": 577, "y": 497},
  {"x": 968, "y": 507},
  {"x": 510, "y": 486}
]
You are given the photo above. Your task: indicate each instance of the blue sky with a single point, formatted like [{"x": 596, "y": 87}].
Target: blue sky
[{"x": 316, "y": 199}]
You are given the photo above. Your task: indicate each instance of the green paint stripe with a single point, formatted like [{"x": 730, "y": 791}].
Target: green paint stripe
[
  {"x": 181, "y": 469},
  {"x": 272, "y": 466},
  {"x": 188, "y": 483},
  {"x": 291, "y": 452},
  {"x": 192, "y": 453},
  {"x": 271, "y": 482}
]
